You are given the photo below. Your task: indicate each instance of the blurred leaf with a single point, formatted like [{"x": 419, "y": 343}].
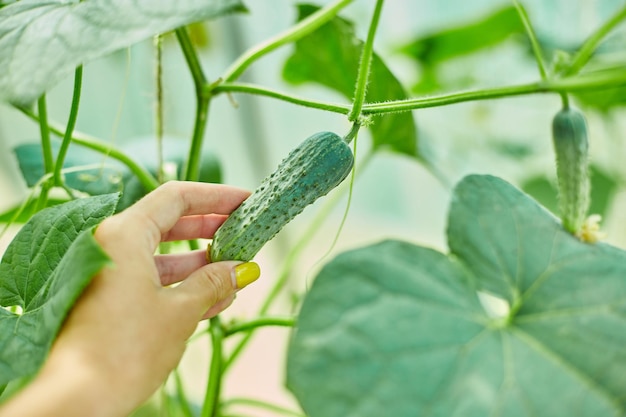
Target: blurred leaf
[
  {"x": 94, "y": 177},
  {"x": 603, "y": 99},
  {"x": 27, "y": 212},
  {"x": 43, "y": 41},
  {"x": 102, "y": 175},
  {"x": 521, "y": 319},
  {"x": 603, "y": 187},
  {"x": 466, "y": 38},
  {"x": 330, "y": 56},
  {"x": 43, "y": 271},
  {"x": 458, "y": 41}
]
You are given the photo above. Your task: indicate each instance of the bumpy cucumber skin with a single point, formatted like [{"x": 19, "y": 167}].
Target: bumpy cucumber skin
[
  {"x": 310, "y": 171},
  {"x": 571, "y": 145}
]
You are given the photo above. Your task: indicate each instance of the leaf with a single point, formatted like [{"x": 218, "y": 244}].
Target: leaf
[
  {"x": 43, "y": 41},
  {"x": 434, "y": 49},
  {"x": 466, "y": 38},
  {"x": 396, "y": 329},
  {"x": 335, "y": 65},
  {"x": 93, "y": 173},
  {"x": 43, "y": 271}
]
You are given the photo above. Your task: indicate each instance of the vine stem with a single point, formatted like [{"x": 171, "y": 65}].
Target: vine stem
[
  {"x": 530, "y": 32},
  {"x": 46, "y": 148},
  {"x": 44, "y": 130},
  {"x": 203, "y": 99},
  {"x": 290, "y": 260},
  {"x": 365, "y": 65},
  {"x": 211, "y": 398},
  {"x": 609, "y": 78},
  {"x": 69, "y": 128},
  {"x": 295, "y": 32},
  {"x": 158, "y": 105},
  {"x": 146, "y": 179},
  {"x": 263, "y": 405},
  {"x": 259, "y": 322},
  {"x": 590, "y": 45}
]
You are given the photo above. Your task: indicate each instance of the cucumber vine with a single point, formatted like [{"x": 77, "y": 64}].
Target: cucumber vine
[{"x": 562, "y": 79}]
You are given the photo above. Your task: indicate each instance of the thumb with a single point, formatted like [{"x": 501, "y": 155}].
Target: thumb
[{"x": 216, "y": 282}]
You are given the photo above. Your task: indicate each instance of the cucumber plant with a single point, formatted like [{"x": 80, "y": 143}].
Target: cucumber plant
[{"x": 520, "y": 318}]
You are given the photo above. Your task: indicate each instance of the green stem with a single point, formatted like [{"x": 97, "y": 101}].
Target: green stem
[
  {"x": 181, "y": 396},
  {"x": 601, "y": 79},
  {"x": 250, "y": 402},
  {"x": 267, "y": 92},
  {"x": 295, "y": 32},
  {"x": 191, "y": 57},
  {"x": 203, "y": 98},
  {"x": 586, "y": 50},
  {"x": 158, "y": 110},
  {"x": 259, "y": 322},
  {"x": 211, "y": 397},
  {"x": 44, "y": 129},
  {"x": 69, "y": 129},
  {"x": 290, "y": 260},
  {"x": 365, "y": 65},
  {"x": 530, "y": 32},
  {"x": 146, "y": 179}
]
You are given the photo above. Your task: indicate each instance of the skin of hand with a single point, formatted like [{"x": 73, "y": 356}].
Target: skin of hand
[{"x": 129, "y": 328}]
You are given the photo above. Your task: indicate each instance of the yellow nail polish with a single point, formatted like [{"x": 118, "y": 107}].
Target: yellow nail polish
[{"x": 246, "y": 274}]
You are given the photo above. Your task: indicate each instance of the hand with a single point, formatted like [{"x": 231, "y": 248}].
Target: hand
[{"x": 128, "y": 330}]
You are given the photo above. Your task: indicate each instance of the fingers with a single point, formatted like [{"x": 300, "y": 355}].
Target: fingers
[
  {"x": 204, "y": 289},
  {"x": 174, "y": 268},
  {"x": 194, "y": 227},
  {"x": 159, "y": 211}
]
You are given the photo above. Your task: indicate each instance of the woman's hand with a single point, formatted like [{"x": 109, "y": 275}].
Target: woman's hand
[{"x": 129, "y": 328}]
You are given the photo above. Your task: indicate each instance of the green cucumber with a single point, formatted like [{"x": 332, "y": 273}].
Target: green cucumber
[
  {"x": 310, "y": 171},
  {"x": 569, "y": 135}
]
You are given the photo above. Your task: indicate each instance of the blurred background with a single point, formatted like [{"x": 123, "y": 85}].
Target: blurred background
[{"x": 432, "y": 47}]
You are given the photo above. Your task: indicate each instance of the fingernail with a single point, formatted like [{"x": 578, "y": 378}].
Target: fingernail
[{"x": 246, "y": 273}]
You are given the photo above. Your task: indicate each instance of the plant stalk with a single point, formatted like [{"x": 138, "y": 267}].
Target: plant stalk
[
  {"x": 295, "y": 32},
  {"x": 69, "y": 129},
  {"x": 203, "y": 98},
  {"x": 530, "y": 32},
  {"x": 365, "y": 65},
  {"x": 259, "y": 322},
  {"x": 211, "y": 397},
  {"x": 586, "y": 50}
]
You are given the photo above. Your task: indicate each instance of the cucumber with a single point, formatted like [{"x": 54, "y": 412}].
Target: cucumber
[
  {"x": 569, "y": 134},
  {"x": 310, "y": 171}
]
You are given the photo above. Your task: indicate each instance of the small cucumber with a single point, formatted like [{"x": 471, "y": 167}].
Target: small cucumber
[
  {"x": 569, "y": 135},
  {"x": 310, "y": 171}
]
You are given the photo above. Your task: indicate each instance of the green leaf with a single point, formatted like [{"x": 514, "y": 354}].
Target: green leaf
[
  {"x": 335, "y": 66},
  {"x": 43, "y": 271},
  {"x": 465, "y": 39},
  {"x": 396, "y": 329},
  {"x": 434, "y": 49},
  {"x": 43, "y": 41}
]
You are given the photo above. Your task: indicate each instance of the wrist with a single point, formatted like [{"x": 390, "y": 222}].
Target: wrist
[{"x": 68, "y": 385}]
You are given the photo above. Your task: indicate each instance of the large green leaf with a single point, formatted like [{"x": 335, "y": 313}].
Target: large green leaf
[
  {"x": 521, "y": 319},
  {"x": 43, "y": 271},
  {"x": 330, "y": 56},
  {"x": 42, "y": 41}
]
